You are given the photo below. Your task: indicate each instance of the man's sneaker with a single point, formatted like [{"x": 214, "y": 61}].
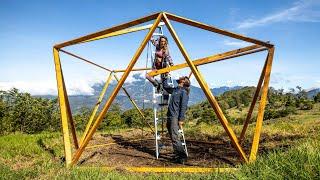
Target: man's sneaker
[{"x": 181, "y": 160}]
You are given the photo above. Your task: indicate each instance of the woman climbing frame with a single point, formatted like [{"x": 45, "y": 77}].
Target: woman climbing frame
[{"x": 162, "y": 60}]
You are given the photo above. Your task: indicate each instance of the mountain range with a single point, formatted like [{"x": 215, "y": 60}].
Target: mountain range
[{"x": 141, "y": 91}]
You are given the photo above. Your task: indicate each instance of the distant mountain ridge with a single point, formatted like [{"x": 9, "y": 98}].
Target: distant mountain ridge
[
  {"x": 139, "y": 90},
  {"x": 313, "y": 92}
]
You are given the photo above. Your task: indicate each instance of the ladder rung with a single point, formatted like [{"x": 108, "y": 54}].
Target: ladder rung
[
  {"x": 158, "y": 94},
  {"x": 158, "y": 137},
  {"x": 157, "y": 34}
]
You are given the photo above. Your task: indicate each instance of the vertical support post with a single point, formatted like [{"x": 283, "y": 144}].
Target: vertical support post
[
  {"x": 254, "y": 100},
  {"x": 257, "y": 133},
  {"x": 70, "y": 118},
  {"x": 95, "y": 109},
  {"x": 63, "y": 107},
  {"x": 207, "y": 92},
  {"x": 116, "y": 90}
]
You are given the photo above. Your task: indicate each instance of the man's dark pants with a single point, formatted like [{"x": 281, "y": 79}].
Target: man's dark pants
[{"x": 173, "y": 128}]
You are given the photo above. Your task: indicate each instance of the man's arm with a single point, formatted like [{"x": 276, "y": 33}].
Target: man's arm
[
  {"x": 166, "y": 86},
  {"x": 183, "y": 105}
]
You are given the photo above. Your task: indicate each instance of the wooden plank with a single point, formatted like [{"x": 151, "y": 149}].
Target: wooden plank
[
  {"x": 70, "y": 118},
  {"x": 216, "y": 30},
  {"x": 95, "y": 109},
  {"x": 211, "y": 59},
  {"x": 85, "y": 60},
  {"x": 124, "y": 31},
  {"x": 178, "y": 169},
  {"x": 257, "y": 133},
  {"x": 107, "y": 31},
  {"x": 163, "y": 169},
  {"x": 254, "y": 100},
  {"x": 63, "y": 108},
  {"x": 137, "y": 69},
  {"x": 213, "y": 102}
]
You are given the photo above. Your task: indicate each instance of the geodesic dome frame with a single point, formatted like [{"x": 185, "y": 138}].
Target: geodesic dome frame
[{"x": 262, "y": 87}]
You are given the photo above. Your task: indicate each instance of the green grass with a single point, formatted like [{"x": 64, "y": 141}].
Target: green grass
[{"x": 40, "y": 156}]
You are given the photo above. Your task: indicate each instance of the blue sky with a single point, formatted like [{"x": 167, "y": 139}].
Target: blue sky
[{"x": 30, "y": 29}]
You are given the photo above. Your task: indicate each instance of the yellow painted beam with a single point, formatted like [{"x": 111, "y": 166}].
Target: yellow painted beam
[
  {"x": 211, "y": 59},
  {"x": 207, "y": 91},
  {"x": 95, "y": 109},
  {"x": 85, "y": 60},
  {"x": 107, "y": 31},
  {"x": 257, "y": 132},
  {"x": 101, "y": 145},
  {"x": 63, "y": 107},
  {"x": 70, "y": 118},
  {"x": 178, "y": 169},
  {"x": 165, "y": 169},
  {"x": 253, "y": 103},
  {"x": 124, "y": 31},
  {"x": 137, "y": 69},
  {"x": 116, "y": 90},
  {"x": 113, "y": 143},
  {"x": 216, "y": 30}
]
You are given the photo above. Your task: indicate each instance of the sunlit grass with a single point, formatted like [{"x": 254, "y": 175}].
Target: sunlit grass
[{"x": 40, "y": 156}]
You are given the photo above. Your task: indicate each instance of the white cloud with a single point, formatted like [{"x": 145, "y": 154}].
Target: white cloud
[
  {"x": 301, "y": 11},
  {"x": 48, "y": 87},
  {"x": 35, "y": 88},
  {"x": 236, "y": 43},
  {"x": 74, "y": 87},
  {"x": 280, "y": 79}
]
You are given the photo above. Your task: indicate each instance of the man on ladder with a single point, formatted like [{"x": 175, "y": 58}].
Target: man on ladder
[{"x": 176, "y": 114}]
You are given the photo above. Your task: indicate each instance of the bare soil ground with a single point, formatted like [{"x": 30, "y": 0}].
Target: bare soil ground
[{"x": 131, "y": 149}]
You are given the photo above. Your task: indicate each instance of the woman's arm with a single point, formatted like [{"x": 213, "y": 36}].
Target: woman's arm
[
  {"x": 168, "y": 57},
  {"x": 154, "y": 42}
]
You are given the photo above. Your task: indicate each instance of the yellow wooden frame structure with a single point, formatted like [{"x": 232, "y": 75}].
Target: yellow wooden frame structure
[{"x": 261, "y": 91}]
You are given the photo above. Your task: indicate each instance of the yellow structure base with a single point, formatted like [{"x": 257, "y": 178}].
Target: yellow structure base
[{"x": 168, "y": 169}]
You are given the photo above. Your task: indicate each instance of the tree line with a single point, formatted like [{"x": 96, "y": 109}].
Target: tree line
[{"x": 25, "y": 113}]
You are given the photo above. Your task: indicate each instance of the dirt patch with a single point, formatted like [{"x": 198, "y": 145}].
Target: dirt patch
[{"x": 130, "y": 149}]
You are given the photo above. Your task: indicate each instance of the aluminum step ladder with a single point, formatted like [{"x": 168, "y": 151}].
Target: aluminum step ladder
[
  {"x": 158, "y": 103},
  {"x": 159, "y": 106},
  {"x": 183, "y": 140}
]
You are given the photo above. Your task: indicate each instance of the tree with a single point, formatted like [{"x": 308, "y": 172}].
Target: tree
[
  {"x": 113, "y": 117},
  {"x": 132, "y": 118},
  {"x": 82, "y": 118},
  {"x": 317, "y": 98},
  {"x": 22, "y": 112}
]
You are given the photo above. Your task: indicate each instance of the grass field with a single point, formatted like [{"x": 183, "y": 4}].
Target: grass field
[{"x": 291, "y": 150}]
